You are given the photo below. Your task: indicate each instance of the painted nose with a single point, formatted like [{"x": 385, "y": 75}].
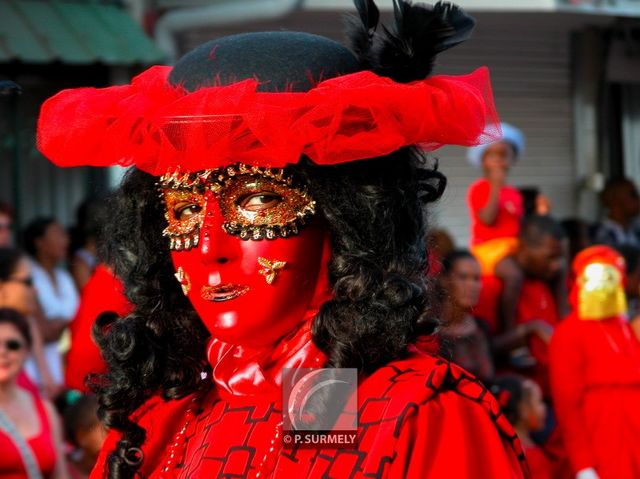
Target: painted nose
[{"x": 216, "y": 245}]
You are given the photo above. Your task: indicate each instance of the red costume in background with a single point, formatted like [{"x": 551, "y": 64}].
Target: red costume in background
[
  {"x": 103, "y": 292},
  {"x": 595, "y": 373}
]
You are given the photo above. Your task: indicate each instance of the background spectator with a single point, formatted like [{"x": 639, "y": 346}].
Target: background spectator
[
  {"x": 621, "y": 200},
  {"x": 83, "y": 431},
  {"x": 521, "y": 401},
  {"x": 47, "y": 242},
  {"x": 464, "y": 339},
  {"x": 16, "y": 292},
  {"x": 30, "y": 432},
  {"x": 83, "y": 257}
]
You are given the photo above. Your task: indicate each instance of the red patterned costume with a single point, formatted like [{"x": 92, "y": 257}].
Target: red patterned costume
[
  {"x": 421, "y": 417},
  {"x": 292, "y": 203},
  {"x": 595, "y": 371}
]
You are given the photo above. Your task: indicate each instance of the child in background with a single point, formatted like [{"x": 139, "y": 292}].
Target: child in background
[
  {"x": 496, "y": 210},
  {"x": 83, "y": 431},
  {"x": 522, "y": 404}
]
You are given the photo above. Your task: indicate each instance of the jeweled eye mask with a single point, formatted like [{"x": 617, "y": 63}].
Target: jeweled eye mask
[{"x": 256, "y": 203}]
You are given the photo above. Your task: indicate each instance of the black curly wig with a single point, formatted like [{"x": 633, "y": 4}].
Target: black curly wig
[{"x": 373, "y": 209}]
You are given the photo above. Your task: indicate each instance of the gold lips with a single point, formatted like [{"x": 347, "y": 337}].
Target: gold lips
[{"x": 223, "y": 292}]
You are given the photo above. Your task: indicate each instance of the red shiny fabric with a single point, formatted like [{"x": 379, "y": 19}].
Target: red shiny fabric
[
  {"x": 595, "y": 385},
  {"x": 241, "y": 371},
  {"x": 42, "y": 446},
  {"x": 420, "y": 417},
  {"x": 159, "y": 127},
  {"x": 103, "y": 292}
]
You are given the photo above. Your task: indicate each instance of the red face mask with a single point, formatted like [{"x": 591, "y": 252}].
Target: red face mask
[{"x": 248, "y": 292}]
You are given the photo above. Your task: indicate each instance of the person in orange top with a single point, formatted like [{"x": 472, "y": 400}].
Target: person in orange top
[{"x": 595, "y": 372}]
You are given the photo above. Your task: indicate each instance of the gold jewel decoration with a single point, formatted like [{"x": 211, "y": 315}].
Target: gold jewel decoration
[
  {"x": 179, "y": 180},
  {"x": 601, "y": 294},
  {"x": 183, "y": 279},
  {"x": 270, "y": 268}
]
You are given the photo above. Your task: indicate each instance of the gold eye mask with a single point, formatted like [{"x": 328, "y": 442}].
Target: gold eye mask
[{"x": 256, "y": 203}]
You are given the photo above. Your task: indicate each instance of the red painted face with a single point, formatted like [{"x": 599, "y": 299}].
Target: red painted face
[{"x": 247, "y": 292}]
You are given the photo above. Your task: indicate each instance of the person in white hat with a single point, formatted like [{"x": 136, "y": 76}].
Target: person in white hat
[{"x": 496, "y": 209}]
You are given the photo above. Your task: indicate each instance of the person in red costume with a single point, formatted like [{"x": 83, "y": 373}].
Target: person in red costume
[
  {"x": 274, "y": 222},
  {"x": 595, "y": 372},
  {"x": 102, "y": 293}
]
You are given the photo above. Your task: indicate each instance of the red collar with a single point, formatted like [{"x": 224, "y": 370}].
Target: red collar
[{"x": 241, "y": 371}]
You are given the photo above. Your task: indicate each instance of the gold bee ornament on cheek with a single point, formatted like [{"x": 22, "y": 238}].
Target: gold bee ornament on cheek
[
  {"x": 270, "y": 268},
  {"x": 256, "y": 203}
]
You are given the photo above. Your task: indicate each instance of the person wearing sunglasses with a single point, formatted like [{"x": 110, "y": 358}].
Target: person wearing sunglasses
[
  {"x": 16, "y": 292},
  {"x": 30, "y": 432}
]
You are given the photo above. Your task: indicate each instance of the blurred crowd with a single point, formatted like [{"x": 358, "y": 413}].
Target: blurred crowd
[
  {"x": 546, "y": 313},
  {"x": 499, "y": 304}
]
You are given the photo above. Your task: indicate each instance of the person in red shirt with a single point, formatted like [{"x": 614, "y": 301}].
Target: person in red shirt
[
  {"x": 595, "y": 372},
  {"x": 540, "y": 256}
]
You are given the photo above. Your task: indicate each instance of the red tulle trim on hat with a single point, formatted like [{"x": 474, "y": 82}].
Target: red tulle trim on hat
[{"x": 159, "y": 127}]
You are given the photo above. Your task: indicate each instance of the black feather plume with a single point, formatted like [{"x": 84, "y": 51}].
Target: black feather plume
[
  {"x": 406, "y": 50},
  {"x": 363, "y": 28}
]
